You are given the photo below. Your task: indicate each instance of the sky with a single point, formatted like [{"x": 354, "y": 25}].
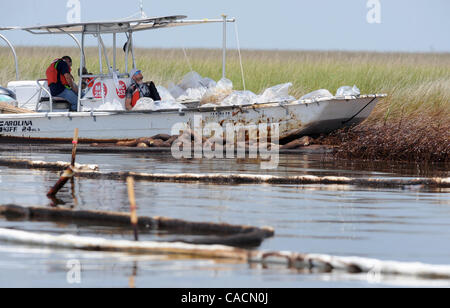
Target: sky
[{"x": 395, "y": 25}]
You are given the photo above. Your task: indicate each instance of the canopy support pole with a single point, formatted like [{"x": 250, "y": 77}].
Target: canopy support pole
[
  {"x": 105, "y": 54},
  {"x": 79, "y": 46},
  {"x": 224, "y": 59},
  {"x": 132, "y": 49},
  {"x": 100, "y": 60},
  {"x": 127, "y": 50},
  {"x": 99, "y": 39},
  {"x": 76, "y": 41},
  {"x": 82, "y": 64},
  {"x": 14, "y": 54},
  {"x": 114, "y": 51}
]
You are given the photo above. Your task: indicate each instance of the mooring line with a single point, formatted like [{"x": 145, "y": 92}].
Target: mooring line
[
  {"x": 345, "y": 122},
  {"x": 324, "y": 263}
]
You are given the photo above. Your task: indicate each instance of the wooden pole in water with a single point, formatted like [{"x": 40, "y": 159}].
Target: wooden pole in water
[
  {"x": 74, "y": 196},
  {"x": 74, "y": 148},
  {"x": 68, "y": 173},
  {"x": 133, "y": 207}
]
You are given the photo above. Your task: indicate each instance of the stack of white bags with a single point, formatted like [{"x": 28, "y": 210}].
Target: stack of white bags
[{"x": 194, "y": 88}]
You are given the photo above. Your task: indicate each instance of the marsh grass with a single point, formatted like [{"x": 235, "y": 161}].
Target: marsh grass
[
  {"x": 412, "y": 123},
  {"x": 418, "y": 85},
  {"x": 422, "y": 140}
]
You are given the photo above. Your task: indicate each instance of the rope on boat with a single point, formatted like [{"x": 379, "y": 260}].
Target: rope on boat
[
  {"x": 9, "y": 109},
  {"x": 91, "y": 172},
  {"x": 224, "y": 234},
  {"x": 324, "y": 263}
]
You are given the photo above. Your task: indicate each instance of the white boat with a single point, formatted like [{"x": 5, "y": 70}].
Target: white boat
[{"x": 50, "y": 120}]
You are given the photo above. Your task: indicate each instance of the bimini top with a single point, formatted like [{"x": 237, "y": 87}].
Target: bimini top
[{"x": 118, "y": 26}]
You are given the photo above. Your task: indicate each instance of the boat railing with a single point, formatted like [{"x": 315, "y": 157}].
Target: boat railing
[
  {"x": 13, "y": 50},
  {"x": 105, "y": 76},
  {"x": 41, "y": 85}
]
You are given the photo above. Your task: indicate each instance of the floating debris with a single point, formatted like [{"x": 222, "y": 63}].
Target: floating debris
[
  {"x": 298, "y": 143},
  {"x": 162, "y": 141},
  {"x": 158, "y": 141}
]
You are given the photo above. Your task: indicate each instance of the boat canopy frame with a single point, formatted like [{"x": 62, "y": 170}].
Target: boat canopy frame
[
  {"x": 121, "y": 26},
  {"x": 12, "y": 48},
  {"x": 127, "y": 26}
]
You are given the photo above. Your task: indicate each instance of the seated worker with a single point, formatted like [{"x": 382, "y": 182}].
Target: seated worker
[
  {"x": 139, "y": 89},
  {"x": 88, "y": 82},
  {"x": 61, "y": 83}
]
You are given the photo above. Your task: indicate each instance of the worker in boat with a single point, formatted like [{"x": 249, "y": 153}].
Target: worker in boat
[
  {"x": 139, "y": 89},
  {"x": 87, "y": 82},
  {"x": 61, "y": 81}
]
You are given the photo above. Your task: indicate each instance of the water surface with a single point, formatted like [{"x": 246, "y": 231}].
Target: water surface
[{"x": 409, "y": 224}]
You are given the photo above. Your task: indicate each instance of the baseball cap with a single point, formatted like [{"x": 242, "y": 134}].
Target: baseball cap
[{"x": 135, "y": 72}]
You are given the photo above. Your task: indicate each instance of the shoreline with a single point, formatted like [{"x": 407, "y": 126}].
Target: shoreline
[{"x": 420, "y": 141}]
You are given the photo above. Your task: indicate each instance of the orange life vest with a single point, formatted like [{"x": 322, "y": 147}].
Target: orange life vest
[
  {"x": 136, "y": 97},
  {"x": 90, "y": 82},
  {"x": 53, "y": 76}
]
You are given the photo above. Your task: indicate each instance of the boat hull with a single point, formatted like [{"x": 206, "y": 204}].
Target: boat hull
[{"x": 294, "y": 119}]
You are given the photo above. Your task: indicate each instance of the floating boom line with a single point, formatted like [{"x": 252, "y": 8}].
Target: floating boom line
[
  {"x": 91, "y": 172},
  {"x": 42, "y": 165},
  {"x": 234, "y": 179},
  {"x": 321, "y": 262}
]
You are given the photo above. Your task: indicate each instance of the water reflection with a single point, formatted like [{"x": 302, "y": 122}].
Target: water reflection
[{"x": 290, "y": 164}]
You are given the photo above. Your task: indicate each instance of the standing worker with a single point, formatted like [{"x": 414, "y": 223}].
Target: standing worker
[{"x": 61, "y": 82}]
